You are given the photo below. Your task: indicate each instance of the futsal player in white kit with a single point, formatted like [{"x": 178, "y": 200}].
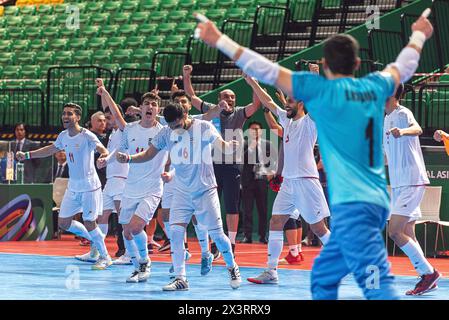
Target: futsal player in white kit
[
  {"x": 301, "y": 191},
  {"x": 143, "y": 189},
  {"x": 408, "y": 180},
  {"x": 83, "y": 192},
  {"x": 190, "y": 144}
]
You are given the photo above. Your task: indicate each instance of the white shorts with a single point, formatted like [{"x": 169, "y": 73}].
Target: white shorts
[
  {"x": 405, "y": 201},
  {"x": 302, "y": 196},
  {"x": 144, "y": 208},
  {"x": 206, "y": 207},
  {"x": 113, "y": 191},
  {"x": 167, "y": 195},
  {"x": 90, "y": 203}
]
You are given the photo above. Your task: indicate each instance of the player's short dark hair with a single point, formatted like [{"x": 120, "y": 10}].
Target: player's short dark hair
[
  {"x": 255, "y": 122},
  {"x": 18, "y": 124},
  {"x": 179, "y": 93},
  {"x": 399, "y": 91},
  {"x": 341, "y": 52},
  {"x": 78, "y": 109},
  {"x": 173, "y": 112},
  {"x": 152, "y": 96}
]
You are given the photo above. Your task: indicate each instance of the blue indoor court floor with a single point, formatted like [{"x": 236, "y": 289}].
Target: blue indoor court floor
[{"x": 32, "y": 277}]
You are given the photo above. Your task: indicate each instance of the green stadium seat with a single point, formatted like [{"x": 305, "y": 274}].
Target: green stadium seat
[
  {"x": 47, "y": 20},
  {"x": 224, "y": 4},
  {"x": 177, "y": 15},
  {"x": 97, "y": 43},
  {"x": 121, "y": 18},
  {"x": 7, "y": 58},
  {"x": 173, "y": 41},
  {"x": 2, "y": 22},
  {"x": 94, "y": 7},
  {"x": 130, "y": 6},
  {"x": 14, "y": 21},
  {"x": 59, "y": 8},
  {"x": 185, "y": 28},
  {"x": 30, "y": 21},
  {"x": 139, "y": 17},
  {"x": 147, "y": 66},
  {"x": 147, "y": 29},
  {"x": 128, "y": 30},
  {"x": 35, "y": 83},
  {"x": 186, "y": 4},
  {"x": 166, "y": 28},
  {"x": 236, "y": 13},
  {"x": 11, "y": 11},
  {"x": 33, "y": 32},
  {"x": 216, "y": 15},
  {"x": 16, "y": 84},
  {"x": 116, "y": 43},
  {"x": 68, "y": 32},
  {"x": 5, "y": 45},
  {"x": 50, "y": 32},
  {"x": 149, "y": 5},
  {"x": 244, "y": 3},
  {"x": 101, "y": 56},
  {"x": 158, "y": 16},
  {"x": 89, "y": 31},
  {"x": 44, "y": 58},
  {"x": 100, "y": 19},
  {"x": 31, "y": 71},
  {"x": 135, "y": 42},
  {"x": 112, "y": 6},
  {"x": 3, "y": 32},
  {"x": 142, "y": 55},
  {"x": 122, "y": 55},
  {"x": 251, "y": 13},
  {"x": 27, "y": 10},
  {"x": 111, "y": 66},
  {"x": 61, "y": 20},
  {"x": 130, "y": 65},
  {"x": 83, "y": 57},
  {"x": 21, "y": 45},
  {"x": 109, "y": 30},
  {"x": 168, "y": 4},
  {"x": 77, "y": 43},
  {"x": 26, "y": 58},
  {"x": 205, "y": 4},
  {"x": 180, "y": 49},
  {"x": 58, "y": 44},
  {"x": 84, "y": 19},
  {"x": 15, "y": 32},
  {"x": 12, "y": 72},
  {"x": 154, "y": 41},
  {"x": 39, "y": 44},
  {"x": 63, "y": 57},
  {"x": 45, "y": 9},
  {"x": 266, "y": 2}
]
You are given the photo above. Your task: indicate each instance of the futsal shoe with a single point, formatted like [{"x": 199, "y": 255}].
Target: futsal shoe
[
  {"x": 214, "y": 250},
  {"x": 266, "y": 277},
  {"x": 91, "y": 256},
  {"x": 123, "y": 260},
  {"x": 144, "y": 271},
  {"x": 427, "y": 283},
  {"x": 234, "y": 274},
  {"x": 102, "y": 263},
  {"x": 291, "y": 259},
  {"x": 177, "y": 285},
  {"x": 165, "y": 246},
  {"x": 206, "y": 264}
]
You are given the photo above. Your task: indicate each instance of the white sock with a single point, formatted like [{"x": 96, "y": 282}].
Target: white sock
[
  {"x": 167, "y": 229},
  {"x": 299, "y": 247},
  {"x": 232, "y": 236},
  {"x": 104, "y": 227},
  {"x": 325, "y": 238},
  {"x": 178, "y": 250},
  {"x": 224, "y": 246},
  {"x": 79, "y": 229},
  {"x": 419, "y": 261},
  {"x": 203, "y": 239},
  {"x": 98, "y": 239},
  {"x": 293, "y": 250},
  {"x": 275, "y": 244},
  {"x": 140, "y": 240},
  {"x": 133, "y": 253}
]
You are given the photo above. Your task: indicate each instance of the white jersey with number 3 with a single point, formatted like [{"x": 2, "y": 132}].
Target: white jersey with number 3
[
  {"x": 143, "y": 178},
  {"x": 404, "y": 156},
  {"x": 79, "y": 151}
]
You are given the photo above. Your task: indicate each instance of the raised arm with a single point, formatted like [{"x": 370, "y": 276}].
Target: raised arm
[
  {"x": 39, "y": 153},
  {"x": 273, "y": 124},
  {"x": 251, "y": 108},
  {"x": 408, "y": 59},
  {"x": 101, "y": 91},
  {"x": 252, "y": 63},
  {"x": 187, "y": 81},
  {"x": 140, "y": 157},
  {"x": 264, "y": 97}
]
